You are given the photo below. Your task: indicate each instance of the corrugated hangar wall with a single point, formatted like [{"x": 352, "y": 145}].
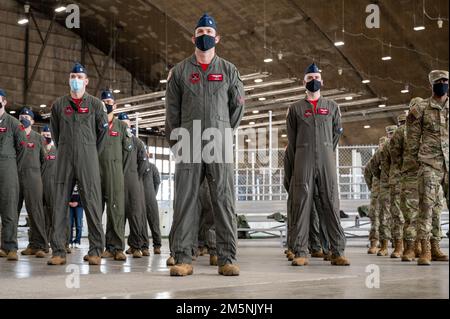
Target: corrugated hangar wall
[{"x": 51, "y": 79}]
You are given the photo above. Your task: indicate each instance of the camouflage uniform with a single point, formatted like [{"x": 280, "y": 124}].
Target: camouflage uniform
[
  {"x": 396, "y": 148},
  {"x": 384, "y": 197},
  {"x": 427, "y": 139}
]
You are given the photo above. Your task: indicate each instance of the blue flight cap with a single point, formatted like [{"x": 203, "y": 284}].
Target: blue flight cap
[
  {"x": 79, "y": 68},
  {"x": 27, "y": 111},
  {"x": 313, "y": 68},
  {"x": 123, "y": 116},
  {"x": 206, "y": 21},
  {"x": 2, "y": 93},
  {"x": 46, "y": 129},
  {"x": 107, "y": 94}
]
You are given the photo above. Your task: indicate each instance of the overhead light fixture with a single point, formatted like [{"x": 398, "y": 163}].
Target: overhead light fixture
[
  {"x": 382, "y": 105},
  {"x": 12, "y": 112},
  {"x": 419, "y": 28},
  {"x": 280, "y": 55},
  {"x": 162, "y": 81},
  {"x": 349, "y": 98},
  {"x": 251, "y": 123},
  {"x": 22, "y": 21},
  {"x": 366, "y": 126},
  {"x": 386, "y": 58},
  {"x": 440, "y": 23},
  {"x": 163, "y": 99},
  {"x": 283, "y": 135},
  {"x": 248, "y": 140},
  {"x": 339, "y": 43},
  {"x": 148, "y": 128},
  {"x": 139, "y": 118},
  {"x": 405, "y": 90},
  {"x": 268, "y": 60},
  {"x": 258, "y": 80},
  {"x": 60, "y": 9},
  {"x": 43, "y": 105},
  {"x": 365, "y": 81},
  {"x": 116, "y": 91},
  {"x": 340, "y": 71},
  {"x": 255, "y": 112},
  {"x": 262, "y": 98},
  {"x": 127, "y": 105}
]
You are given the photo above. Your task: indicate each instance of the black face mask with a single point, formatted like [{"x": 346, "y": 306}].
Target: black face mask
[
  {"x": 48, "y": 140},
  {"x": 25, "y": 123},
  {"x": 440, "y": 89},
  {"x": 205, "y": 42},
  {"x": 313, "y": 85},
  {"x": 109, "y": 108}
]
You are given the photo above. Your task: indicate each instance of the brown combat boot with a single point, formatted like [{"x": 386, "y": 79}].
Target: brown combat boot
[
  {"x": 213, "y": 260},
  {"x": 409, "y": 253},
  {"x": 145, "y": 252},
  {"x": 56, "y": 261},
  {"x": 157, "y": 250},
  {"x": 107, "y": 254},
  {"x": 181, "y": 270},
  {"x": 120, "y": 256},
  {"x": 327, "y": 257},
  {"x": 12, "y": 256},
  {"x": 129, "y": 251},
  {"x": 229, "y": 270},
  {"x": 398, "y": 249},
  {"x": 340, "y": 261},
  {"x": 3, "y": 253},
  {"x": 290, "y": 256},
  {"x": 137, "y": 253},
  {"x": 373, "y": 249},
  {"x": 28, "y": 252},
  {"x": 202, "y": 251},
  {"x": 68, "y": 250},
  {"x": 425, "y": 256},
  {"x": 86, "y": 258},
  {"x": 384, "y": 248},
  {"x": 40, "y": 254},
  {"x": 317, "y": 254},
  {"x": 300, "y": 261},
  {"x": 436, "y": 253},
  {"x": 417, "y": 248},
  {"x": 95, "y": 260},
  {"x": 170, "y": 261}
]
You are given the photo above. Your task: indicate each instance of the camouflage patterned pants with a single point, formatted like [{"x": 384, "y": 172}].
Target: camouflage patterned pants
[
  {"x": 374, "y": 215},
  {"x": 409, "y": 204},
  {"x": 385, "y": 214},
  {"x": 433, "y": 184},
  {"x": 396, "y": 213}
]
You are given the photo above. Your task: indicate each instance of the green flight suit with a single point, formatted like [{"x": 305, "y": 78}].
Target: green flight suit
[
  {"x": 48, "y": 170},
  {"x": 151, "y": 182},
  {"x": 29, "y": 164},
  {"x": 134, "y": 193},
  {"x": 79, "y": 134},
  {"x": 112, "y": 161},
  {"x": 11, "y": 137},
  {"x": 204, "y": 103}
]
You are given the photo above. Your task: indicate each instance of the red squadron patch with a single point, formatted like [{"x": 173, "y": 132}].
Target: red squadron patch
[
  {"x": 113, "y": 133},
  {"x": 83, "y": 110},
  {"x": 195, "y": 78},
  {"x": 30, "y": 145},
  {"x": 68, "y": 110},
  {"x": 215, "y": 77},
  {"x": 3, "y": 129},
  {"x": 323, "y": 111},
  {"x": 308, "y": 113},
  {"x": 51, "y": 157}
]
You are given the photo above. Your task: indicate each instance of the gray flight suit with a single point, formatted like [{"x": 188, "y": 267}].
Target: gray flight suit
[
  {"x": 11, "y": 137},
  {"x": 151, "y": 182},
  {"x": 134, "y": 194},
  {"x": 48, "y": 171},
  {"x": 313, "y": 138},
  {"x": 29, "y": 164},
  {"x": 198, "y": 101},
  {"x": 112, "y": 162},
  {"x": 79, "y": 135}
]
